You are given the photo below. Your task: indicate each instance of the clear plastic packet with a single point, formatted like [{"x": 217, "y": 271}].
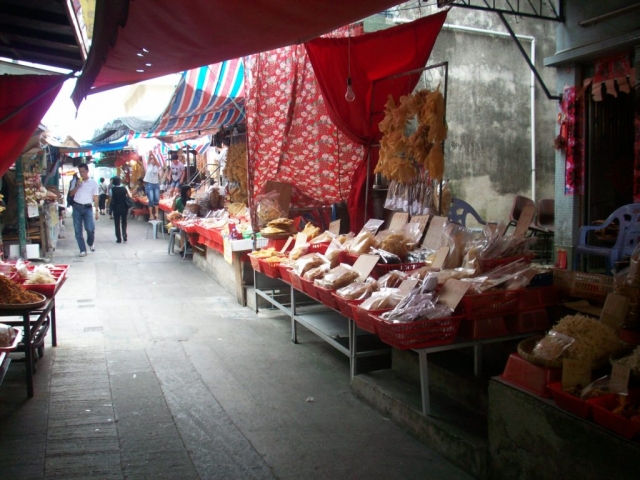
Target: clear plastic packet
[
  {"x": 459, "y": 240},
  {"x": 333, "y": 251},
  {"x": 40, "y": 275},
  {"x": 317, "y": 272},
  {"x": 392, "y": 279},
  {"x": 422, "y": 254},
  {"x": 394, "y": 243},
  {"x": 324, "y": 237},
  {"x": 21, "y": 268},
  {"x": 457, "y": 273},
  {"x": 268, "y": 208},
  {"x": 597, "y": 388},
  {"x": 552, "y": 346},
  {"x": 520, "y": 280},
  {"x": 412, "y": 233},
  {"x": 503, "y": 274},
  {"x": 307, "y": 262},
  {"x": 338, "y": 277},
  {"x": 299, "y": 251},
  {"x": 383, "y": 299},
  {"x": 386, "y": 257},
  {"x": 7, "y": 335},
  {"x": 429, "y": 283},
  {"x": 362, "y": 243},
  {"x": 358, "y": 290}
]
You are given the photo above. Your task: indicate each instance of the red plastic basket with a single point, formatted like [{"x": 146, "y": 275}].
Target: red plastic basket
[
  {"x": 326, "y": 296},
  {"x": 483, "y": 328},
  {"x": 348, "y": 258},
  {"x": 345, "y": 306},
  {"x": 365, "y": 318},
  {"x": 319, "y": 247},
  {"x": 568, "y": 402},
  {"x": 381, "y": 269},
  {"x": 309, "y": 288},
  {"x": 535, "y": 298},
  {"x": 530, "y": 321},
  {"x": 491, "y": 304},
  {"x": 602, "y": 407},
  {"x": 418, "y": 334},
  {"x": 296, "y": 281},
  {"x": 487, "y": 264},
  {"x": 269, "y": 269},
  {"x": 285, "y": 272},
  {"x": 255, "y": 263},
  {"x": 528, "y": 376},
  {"x": 46, "y": 289}
]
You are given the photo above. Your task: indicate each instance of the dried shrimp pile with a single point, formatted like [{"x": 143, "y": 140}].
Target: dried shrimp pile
[
  {"x": 402, "y": 155},
  {"x": 12, "y": 293}
]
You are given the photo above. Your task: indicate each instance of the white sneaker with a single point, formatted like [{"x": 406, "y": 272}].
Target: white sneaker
[
  {"x": 92, "y": 247},
  {"x": 83, "y": 254}
]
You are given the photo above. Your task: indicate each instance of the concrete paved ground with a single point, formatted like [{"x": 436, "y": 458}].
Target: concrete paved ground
[{"x": 159, "y": 373}]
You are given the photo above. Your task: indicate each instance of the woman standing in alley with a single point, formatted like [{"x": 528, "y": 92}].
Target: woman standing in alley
[
  {"x": 103, "y": 190},
  {"x": 118, "y": 202}
]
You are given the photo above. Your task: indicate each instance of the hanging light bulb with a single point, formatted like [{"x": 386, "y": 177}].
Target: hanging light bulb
[{"x": 349, "y": 96}]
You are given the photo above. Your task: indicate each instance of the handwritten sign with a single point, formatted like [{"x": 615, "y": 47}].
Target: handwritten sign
[
  {"x": 614, "y": 311},
  {"x": 364, "y": 264},
  {"x": 334, "y": 227},
  {"x": 434, "y": 235},
  {"x": 301, "y": 239},
  {"x": 421, "y": 220},
  {"x": 372, "y": 225},
  {"x": 407, "y": 285},
  {"x": 619, "y": 382},
  {"x": 441, "y": 257},
  {"x": 398, "y": 220},
  {"x": 452, "y": 292}
]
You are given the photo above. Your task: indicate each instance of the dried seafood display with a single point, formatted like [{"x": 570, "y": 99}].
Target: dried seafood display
[
  {"x": 236, "y": 172},
  {"x": 11, "y": 293}
]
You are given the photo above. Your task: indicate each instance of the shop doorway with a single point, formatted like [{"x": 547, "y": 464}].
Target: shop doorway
[{"x": 609, "y": 138}]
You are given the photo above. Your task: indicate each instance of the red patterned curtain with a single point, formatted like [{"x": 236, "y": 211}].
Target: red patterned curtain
[
  {"x": 291, "y": 137},
  {"x": 35, "y": 93}
]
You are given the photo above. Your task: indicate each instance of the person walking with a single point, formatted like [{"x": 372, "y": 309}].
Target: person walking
[
  {"x": 84, "y": 194},
  {"x": 109, "y": 200},
  {"x": 103, "y": 189},
  {"x": 152, "y": 185},
  {"x": 118, "y": 202}
]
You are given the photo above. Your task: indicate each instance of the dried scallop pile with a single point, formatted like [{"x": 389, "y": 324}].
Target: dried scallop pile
[{"x": 12, "y": 293}]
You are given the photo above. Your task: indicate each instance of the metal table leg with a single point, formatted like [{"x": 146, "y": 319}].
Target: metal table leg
[
  {"x": 294, "y": 326},
  {"x": 54, "y": 335},
  {"x": 477, "y": 360},
  {"x": 424, "y": 383},
  {"x": 353, "y": 348},
  {"x": 28, "y": 353}
]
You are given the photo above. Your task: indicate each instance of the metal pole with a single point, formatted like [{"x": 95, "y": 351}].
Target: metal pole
[{"x": 22, "y": 227}]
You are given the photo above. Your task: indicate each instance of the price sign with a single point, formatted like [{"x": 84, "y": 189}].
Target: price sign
[
  {"x": 407, "y": 285},
  {"x": 301, "y": 239},
  {"x": 434, "y": 235},
  {"x": 398, "y": 220},
  {"x": 421, "y": 220},
  {"x": 452, "y": 292},
  {"x": 441, "y": 257},
  {"x": 619, "y": 382},
  {"x": 334, "y": 227},
  {"x": 364, "y": 264}
]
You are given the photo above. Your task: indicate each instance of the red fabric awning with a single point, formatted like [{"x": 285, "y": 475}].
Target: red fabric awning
[
  {"x": 27, "y": 98},
  {"x": 174, "y": 36}
]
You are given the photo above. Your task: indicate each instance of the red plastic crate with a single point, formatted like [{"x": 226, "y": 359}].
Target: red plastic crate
[
  {"x": 492, "y": 263},
  {"x": 535, "y": 298},
  {"x": 269, "y": 269},
  {"x": 491, "y": 304},
  {"x": 326, "y": 296},
  {"x": 319, "y": 247},
  {"x": 383, "y": 268},
  {"x": 345, "y": 306},
  {"x": 309, "y": 288},
  {"x": 530, "y": 377},
  {"x": 255, "y": 263},
  {"x": 296, "y": 281},
  {"x": 365, "y": 318},
  {"x": 568, "y": 402},
  {"x": 419, "y": 334},
  {"x": 483, "y": 328},
  {"x": 602, "y": 407},
  {"x": 530, "y": 321},
  {"x": 285, "y": 273}
]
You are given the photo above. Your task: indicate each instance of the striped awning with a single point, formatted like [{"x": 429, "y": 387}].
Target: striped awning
[{"x": 206, "y": 99}]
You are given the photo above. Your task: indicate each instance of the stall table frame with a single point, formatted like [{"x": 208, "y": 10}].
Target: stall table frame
[{"x": 33, "y": 332}]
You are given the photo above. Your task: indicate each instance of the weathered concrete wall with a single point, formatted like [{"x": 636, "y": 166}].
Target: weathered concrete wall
[
  {"x": 531, "y": 439},
  {"x": 489, "y": 149}
]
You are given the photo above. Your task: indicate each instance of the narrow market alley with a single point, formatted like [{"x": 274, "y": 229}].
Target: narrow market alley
[{"x": 159, "y": 373}]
